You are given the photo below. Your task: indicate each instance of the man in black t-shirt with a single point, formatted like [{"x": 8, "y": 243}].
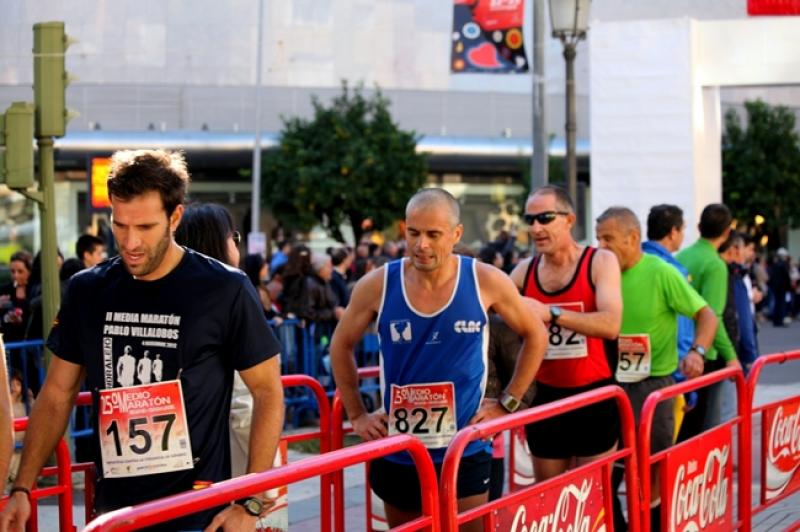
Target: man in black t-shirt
[{"x": 159, "y": 430}]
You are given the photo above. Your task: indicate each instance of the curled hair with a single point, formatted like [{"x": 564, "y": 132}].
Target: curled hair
[{"x": 137, "y": 172}]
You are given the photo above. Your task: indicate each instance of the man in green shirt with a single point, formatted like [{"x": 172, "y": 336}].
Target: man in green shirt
[
  {"x": 654, "y": 294},
  {"x": 709, "y": 276}
]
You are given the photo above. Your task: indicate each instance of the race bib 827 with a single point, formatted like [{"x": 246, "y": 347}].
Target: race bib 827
[{"x": 426, "y": 411}]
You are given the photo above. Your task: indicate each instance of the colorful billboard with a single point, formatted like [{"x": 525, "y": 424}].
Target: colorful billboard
[{"x": 487, "y": 37}]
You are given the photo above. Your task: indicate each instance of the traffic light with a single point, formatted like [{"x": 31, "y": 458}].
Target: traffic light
[
  {"x": 50, "y": 78},
  {"x": 16, "y": 135}
]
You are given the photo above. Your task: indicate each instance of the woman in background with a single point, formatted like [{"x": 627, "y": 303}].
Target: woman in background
[{"x": 208, "y": 229}]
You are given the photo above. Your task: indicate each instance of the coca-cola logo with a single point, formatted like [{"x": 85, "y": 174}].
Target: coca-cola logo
[
  {"x": 567, "y": 516},
  {"x": 700, "y": 497},
  {"x": 784, "y": 439}
]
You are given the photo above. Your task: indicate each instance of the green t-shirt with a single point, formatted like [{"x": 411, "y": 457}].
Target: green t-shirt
[
  {"x": 709, "y": 276},
  {"x": 653, "y": 294}
]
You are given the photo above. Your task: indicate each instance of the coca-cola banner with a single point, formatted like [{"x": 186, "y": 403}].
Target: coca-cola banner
[
  {"x": 780, "y": 449},
  {"x": 773, "y": 7},
  {"x": 571, "y": 505},
  {"x": 487, "y": 36},
  {"x": 697, "y": 484}
]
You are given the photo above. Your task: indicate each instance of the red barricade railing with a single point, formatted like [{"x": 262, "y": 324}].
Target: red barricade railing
[
  {"x": 288, "y": 381},
  {"x": 62, "y": 490},
  {"x": 595, "y": 473},
  {"x": 780, "y": 438},
  {"x": 324, "y": 436},
  {"x": 158, "y": 511},
  {"x": 338, "y": 432},
  {"x": 685, "y": 475}
]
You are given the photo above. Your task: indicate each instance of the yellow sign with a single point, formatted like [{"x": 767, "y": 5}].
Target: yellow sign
[{"x": 99, "y": 182}]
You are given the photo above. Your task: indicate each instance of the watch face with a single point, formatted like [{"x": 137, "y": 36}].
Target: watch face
[
  {"x": 510, "y": 403},
  {"x": 253, "y": 506}
]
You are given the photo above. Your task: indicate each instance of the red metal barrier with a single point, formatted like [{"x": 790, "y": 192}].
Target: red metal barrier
[
  {"x": 323, "y": 434},
  {"x": 62, "y": 490},
  {"x": 221, "y": 493},
  {"x": 337, "y": 442},
  {"x": 697, "y": 474},
  {"x": 536, "y": 504},
  {"x": 780, "y": 438}
]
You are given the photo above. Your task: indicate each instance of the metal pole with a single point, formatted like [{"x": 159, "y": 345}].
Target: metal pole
[
  {"x": 255, "y": 204},
  {"x": 572, "y": 172},
  {"x": 539, "y": 161},
  {"x": 51, "y": 288}
]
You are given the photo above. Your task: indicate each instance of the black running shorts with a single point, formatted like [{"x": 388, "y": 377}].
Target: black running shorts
[
  {"x": 398, "y": 484},
  {"x": 588, "y": 431}
]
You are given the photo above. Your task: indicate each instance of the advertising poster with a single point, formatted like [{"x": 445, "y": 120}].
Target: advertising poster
[
  {"x": 780, "y": 450},
  {"x": 487, "y": 37},
  {"x": 697, "y": 484},
  {"x": 570, "y": 505}
]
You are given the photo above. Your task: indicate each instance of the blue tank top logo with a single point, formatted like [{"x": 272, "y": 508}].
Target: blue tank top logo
[
  {"x": 449, "y": 345},
  {"x": 464, "y": 326},
  {"x": 400, "y": 331}
]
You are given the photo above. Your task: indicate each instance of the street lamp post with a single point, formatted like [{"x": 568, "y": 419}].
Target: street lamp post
[{"x": 570, "y": 20}]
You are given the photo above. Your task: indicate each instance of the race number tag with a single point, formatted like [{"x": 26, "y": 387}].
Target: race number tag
[
  {"x": 427, "y": 411},
  {"x": 634, "y": 357},
  {"x": 143, "y": 430},
  {"x": 564, "y": 343}
]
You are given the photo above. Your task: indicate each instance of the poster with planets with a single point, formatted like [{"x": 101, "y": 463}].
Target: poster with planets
[{"x": 487, "y": 37}]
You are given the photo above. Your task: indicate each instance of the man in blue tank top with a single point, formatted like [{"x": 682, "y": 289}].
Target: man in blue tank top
[{"x": 431, "y": 309}]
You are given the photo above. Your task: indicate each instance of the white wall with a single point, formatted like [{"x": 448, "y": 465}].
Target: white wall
[{"x": 655, "y": 122}]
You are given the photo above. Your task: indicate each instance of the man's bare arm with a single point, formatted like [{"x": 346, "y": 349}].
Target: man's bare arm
[
  {"x": 6, "y": 420},
  {"x": 264, "y": 382},
  {"x": 48, "y": 419},
  {"x": 499, "y": 293},
  {"x": 357, "y": 316}
]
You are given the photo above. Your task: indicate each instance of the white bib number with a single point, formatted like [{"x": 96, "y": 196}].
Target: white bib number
[
  {"x": 143, "y": 430},
  {"x": 426, "y": 411},
  {"x": 563, "y": 343},
  {"x": 634, "y": 357}
]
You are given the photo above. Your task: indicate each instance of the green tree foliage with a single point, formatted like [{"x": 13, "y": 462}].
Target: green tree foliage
[
  {"x": 761, "y": 169},
  {"x": 349, "y": 163}
]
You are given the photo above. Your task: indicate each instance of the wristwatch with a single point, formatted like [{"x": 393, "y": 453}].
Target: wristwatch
[
  {"x": 699, "y": 349},
  {"x": 252, "y": 505},
  {"x": 509, "y": 402},
  {"x": 555, "y": 313}
]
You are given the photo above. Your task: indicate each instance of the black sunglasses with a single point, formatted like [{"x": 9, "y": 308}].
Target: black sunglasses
[
  {"x": 237, "y": 237},
  {"x": 543, "y": 218}
]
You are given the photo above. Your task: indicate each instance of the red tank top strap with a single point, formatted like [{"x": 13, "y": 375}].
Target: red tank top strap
[{"x": 586, "y": 265}]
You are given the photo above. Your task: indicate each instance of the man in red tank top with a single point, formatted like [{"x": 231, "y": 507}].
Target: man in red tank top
[{"x": 576, "y": 291}]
